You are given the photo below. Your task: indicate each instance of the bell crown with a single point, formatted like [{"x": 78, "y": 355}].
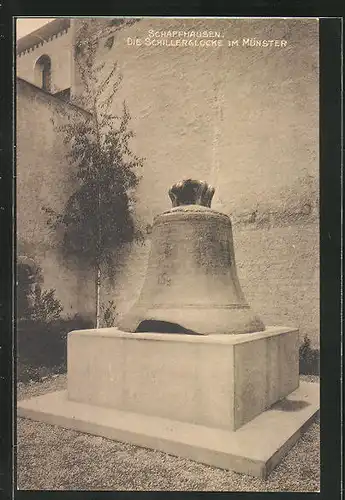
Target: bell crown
[{"x": 191, "y": 192}]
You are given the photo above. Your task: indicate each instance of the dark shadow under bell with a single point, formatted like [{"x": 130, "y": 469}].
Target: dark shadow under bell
[{"x": 162, "y": 327}]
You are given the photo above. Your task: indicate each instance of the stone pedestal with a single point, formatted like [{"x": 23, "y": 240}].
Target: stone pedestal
[
  {"x": 232, "y": 401},
  {"x": 220, "y": 381}
]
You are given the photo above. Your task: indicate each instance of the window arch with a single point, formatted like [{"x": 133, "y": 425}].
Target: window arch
[{"x": 43, "y": 72}]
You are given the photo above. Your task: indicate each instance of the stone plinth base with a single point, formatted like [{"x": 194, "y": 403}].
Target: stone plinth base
[
  {"x": 255, "y": 449},
  {"x": 221, "y": 381},
  {"x": 207, "y": 398}
]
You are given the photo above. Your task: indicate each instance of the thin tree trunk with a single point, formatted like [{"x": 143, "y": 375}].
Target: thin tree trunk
[
  {"x": 99, "y": 251},
  {"x": 98, "y": 296},
  {"x": 98, "y": 273}
]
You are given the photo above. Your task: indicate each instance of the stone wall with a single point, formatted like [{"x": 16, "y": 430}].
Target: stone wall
[
  {"x": 244, "y": 118},
  {"x": 278, "y": 269},
  {"x": 43, "y": 180}
]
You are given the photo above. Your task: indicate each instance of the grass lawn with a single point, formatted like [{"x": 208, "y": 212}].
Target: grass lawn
[{"x": 53, "y": 458}]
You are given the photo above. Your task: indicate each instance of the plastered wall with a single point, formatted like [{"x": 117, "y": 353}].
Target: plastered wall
[
  {"x": 42, "y": 180},
  {"x": 244, "y": 118}
]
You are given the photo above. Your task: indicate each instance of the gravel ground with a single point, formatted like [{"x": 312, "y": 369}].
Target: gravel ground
[{"x": 53, "y": 458}]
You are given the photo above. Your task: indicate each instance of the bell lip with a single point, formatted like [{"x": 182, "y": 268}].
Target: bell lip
[{"x": 197, "y": 321}]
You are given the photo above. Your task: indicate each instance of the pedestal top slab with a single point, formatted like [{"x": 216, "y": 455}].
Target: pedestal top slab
[{"x": 270, "y": 331}]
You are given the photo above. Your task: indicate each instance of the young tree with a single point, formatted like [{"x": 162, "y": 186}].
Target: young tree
[{"x": 98, "y": 216}]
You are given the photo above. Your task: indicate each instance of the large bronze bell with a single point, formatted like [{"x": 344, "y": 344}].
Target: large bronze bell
[{"x": 191, "y": 284}]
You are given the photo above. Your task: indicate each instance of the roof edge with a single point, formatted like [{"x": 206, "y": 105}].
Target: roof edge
[{"x": 43, "y": 34}]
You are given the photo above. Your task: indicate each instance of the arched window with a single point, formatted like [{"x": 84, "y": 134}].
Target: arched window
[{"x": 43, "y": 72}]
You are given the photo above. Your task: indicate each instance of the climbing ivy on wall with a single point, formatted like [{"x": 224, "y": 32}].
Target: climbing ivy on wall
[{"x": 98, "y": 217}]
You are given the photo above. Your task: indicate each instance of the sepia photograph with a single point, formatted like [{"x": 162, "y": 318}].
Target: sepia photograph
[{"x": 167, "y": 254}]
